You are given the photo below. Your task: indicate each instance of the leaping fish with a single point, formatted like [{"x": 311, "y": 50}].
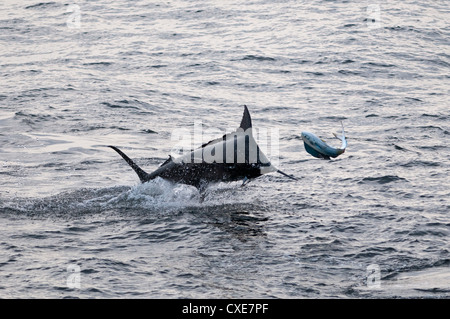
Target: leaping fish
[
  {"x": 320, "y": 149},
  {"x": 232, "y": 157}
]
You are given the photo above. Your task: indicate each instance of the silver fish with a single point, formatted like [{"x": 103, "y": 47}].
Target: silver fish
[{"x": 320, "y": 149}]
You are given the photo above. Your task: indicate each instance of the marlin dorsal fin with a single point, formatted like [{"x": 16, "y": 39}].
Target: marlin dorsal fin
[{"x": 246, "y": 122}]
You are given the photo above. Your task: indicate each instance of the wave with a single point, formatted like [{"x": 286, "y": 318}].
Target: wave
[
  {"x": 129, "y": 104},
  {"x": 382, "y": 179},
  {"x": 420, "y": 163},
  {"x": 156, "y": 196},
  {"x": 257, "y": 58},
  {"x": 101, "y": 63},
  {"x": 436, "y": 116},
  {"x": 119, "y": 105},
  {"x": 41, "y": 5}
]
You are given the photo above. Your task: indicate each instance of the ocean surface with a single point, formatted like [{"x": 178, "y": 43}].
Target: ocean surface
[{"x": 77, "y": 76}]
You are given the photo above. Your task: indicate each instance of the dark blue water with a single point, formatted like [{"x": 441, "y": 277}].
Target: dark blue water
[{"x": 77, "y": 76}]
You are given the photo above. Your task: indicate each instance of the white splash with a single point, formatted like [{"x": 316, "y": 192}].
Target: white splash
[{"x": 158, "y": 193}]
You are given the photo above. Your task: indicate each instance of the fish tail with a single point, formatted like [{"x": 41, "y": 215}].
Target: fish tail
[{"x": 143, "y": 176}]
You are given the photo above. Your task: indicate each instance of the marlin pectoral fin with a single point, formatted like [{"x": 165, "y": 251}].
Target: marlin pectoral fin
[
  {"x": 245, "y": 181},
  {"x": 290, "y": 176}
]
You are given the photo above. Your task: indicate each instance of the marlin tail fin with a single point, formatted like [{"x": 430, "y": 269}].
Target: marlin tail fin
[{"x": 143, "y": 176}]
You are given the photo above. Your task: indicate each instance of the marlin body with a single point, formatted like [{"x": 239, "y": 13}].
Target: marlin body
[
  {"x": 233, "y": 157},
  {"x": 318, "y": 148}
]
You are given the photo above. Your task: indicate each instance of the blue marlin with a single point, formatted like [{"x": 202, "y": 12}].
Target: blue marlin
[
  {"x": 320, "y": 149},
  {"x": 232, "y": 157}
]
